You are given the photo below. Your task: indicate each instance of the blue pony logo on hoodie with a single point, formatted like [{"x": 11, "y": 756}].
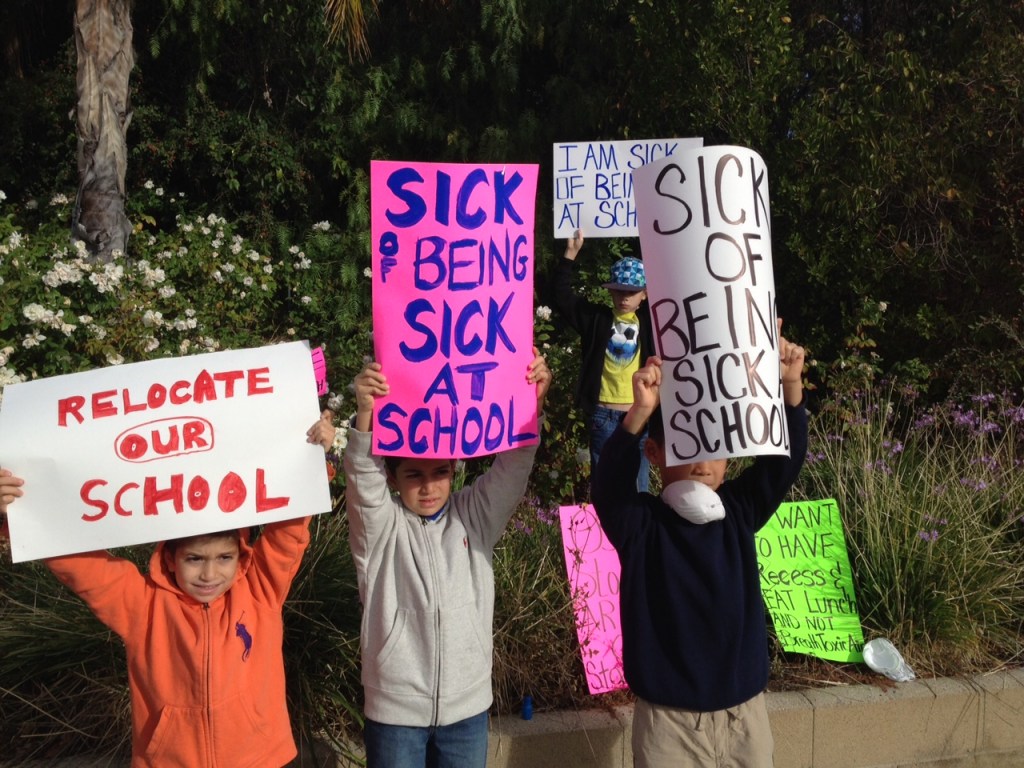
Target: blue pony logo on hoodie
[{"x": 242, "y": 632}]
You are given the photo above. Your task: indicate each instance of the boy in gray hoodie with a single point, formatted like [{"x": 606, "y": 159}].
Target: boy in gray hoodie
[{"x": 424, "y": 566}]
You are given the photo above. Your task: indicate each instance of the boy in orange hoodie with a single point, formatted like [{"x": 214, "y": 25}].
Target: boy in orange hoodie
[{"x": 203, "y": 633}]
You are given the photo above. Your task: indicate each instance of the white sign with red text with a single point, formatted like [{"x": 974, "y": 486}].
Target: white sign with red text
[{"x": 150, "y": 451}]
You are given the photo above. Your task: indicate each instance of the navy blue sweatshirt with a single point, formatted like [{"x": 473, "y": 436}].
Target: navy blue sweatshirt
[{"x": 694, "y": 632}]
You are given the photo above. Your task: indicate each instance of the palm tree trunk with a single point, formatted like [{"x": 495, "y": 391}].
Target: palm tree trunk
[{"x": 103, "y": 39}]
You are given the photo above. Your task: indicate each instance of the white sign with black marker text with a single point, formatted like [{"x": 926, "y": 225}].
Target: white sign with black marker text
[{"x": 705, "y": 232}]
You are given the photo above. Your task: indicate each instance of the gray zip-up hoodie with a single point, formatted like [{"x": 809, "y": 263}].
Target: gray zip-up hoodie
[{"x": 427, "y": 589}]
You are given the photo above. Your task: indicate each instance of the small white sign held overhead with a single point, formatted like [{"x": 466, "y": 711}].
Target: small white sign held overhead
[{"x": 593, "y": 185}]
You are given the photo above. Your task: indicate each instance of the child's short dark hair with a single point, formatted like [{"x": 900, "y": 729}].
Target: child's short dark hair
[
  {"x": 392, "y": 463},
  {"x": 171, "y": 545}
]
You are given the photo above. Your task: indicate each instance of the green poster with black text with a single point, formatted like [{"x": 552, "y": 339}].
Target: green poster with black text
[{"x": 807, "y": 583}]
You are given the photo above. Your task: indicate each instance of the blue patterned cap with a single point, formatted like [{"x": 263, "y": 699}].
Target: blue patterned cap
[{"x": 627, "y": 275}]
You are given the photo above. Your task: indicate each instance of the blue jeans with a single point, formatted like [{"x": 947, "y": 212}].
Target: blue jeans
[
  {"x": 602, "y": 424},
  {"x": 459, "y": 745}
]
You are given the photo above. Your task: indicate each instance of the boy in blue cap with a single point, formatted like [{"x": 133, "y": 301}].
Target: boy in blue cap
[{"x": 614, "y": 341}]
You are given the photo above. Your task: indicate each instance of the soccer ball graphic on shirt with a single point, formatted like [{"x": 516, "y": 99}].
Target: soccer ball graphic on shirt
[{"x": 623, "y": 345}]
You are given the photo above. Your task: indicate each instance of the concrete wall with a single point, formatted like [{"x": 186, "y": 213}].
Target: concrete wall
[
  {"x": 952, "y": 723},
  {"x": 945, "y": 723}
]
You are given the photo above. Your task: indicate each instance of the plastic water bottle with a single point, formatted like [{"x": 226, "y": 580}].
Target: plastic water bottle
[{"x": 527, "y": 707}]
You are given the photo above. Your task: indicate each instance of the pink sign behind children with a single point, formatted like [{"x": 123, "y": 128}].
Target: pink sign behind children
[
  {"x": 453, "y": 256},
  {"x": 593, "y": 569}
]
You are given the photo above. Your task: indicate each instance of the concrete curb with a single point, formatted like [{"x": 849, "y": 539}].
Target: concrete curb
[
  {"x": 975, "y": 722},
  {"x": 948, "y": 722}
]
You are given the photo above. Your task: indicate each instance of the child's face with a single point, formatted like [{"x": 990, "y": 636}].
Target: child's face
[
  {"x": 424, "y": 485},
  {"x": 626, "y": 302},
  {"x": 204, "y": 567},
  {"x": 710, "y": 472}
]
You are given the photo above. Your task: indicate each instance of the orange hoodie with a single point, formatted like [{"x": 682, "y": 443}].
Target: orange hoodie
[{"x": 207, "y": 681}]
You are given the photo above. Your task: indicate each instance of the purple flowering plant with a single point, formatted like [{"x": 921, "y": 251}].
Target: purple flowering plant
[{"x": 932, "y": 499}]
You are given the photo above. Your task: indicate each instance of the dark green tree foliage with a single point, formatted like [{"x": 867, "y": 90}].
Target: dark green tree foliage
[
  {"x": 888, "y": 132},
  {"x": 37, "y": 84},
  {"x": 891, "y": 133},
  {"x": 899, "y": 184}
]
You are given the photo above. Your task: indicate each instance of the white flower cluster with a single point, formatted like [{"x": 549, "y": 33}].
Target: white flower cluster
[
  {"x": 186, "y": 323},
  {"x": 151, "y": 276},
  {"x": 340, "y": 438},
  {"x": 302, "y": 262},
  {"x": 108, "y": 279},
  {"x": 47, "y": 318},
  {"x": 32, "y": 340},
  {"x": 544, "y": 313},
  {"x": 63, "y": 273},
  {"x": 7, "y": 375},
  {"x": 322, "y": 226}
]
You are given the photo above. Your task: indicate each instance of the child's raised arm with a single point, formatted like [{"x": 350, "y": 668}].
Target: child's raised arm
[
  {"x": 646, "y": 396},
  {"x": 791, "y": 369},
  {"x": 573, "y": 245},
  {"x": 369, "y": 384},
  {"x": 322, "y": 431},
  {"x": 538, "y": 373}
]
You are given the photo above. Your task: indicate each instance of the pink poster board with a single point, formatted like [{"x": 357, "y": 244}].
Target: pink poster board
[
  {"x": 453, "y": 258},
  {"x": 592, "y": 566},
  {"x": 320, "y": 371}
]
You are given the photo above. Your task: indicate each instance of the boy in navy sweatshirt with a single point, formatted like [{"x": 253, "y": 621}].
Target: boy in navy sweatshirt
[{"x": 694, "y": 639}]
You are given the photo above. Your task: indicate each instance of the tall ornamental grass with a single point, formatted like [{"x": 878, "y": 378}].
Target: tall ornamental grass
[{"x": 932, "y": 498}]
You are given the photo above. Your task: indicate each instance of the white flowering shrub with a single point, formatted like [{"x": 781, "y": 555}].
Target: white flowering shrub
[{"x": 197, "y": 285}]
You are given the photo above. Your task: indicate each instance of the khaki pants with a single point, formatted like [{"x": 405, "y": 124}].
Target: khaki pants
[{"x": 738, "y": 737}]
